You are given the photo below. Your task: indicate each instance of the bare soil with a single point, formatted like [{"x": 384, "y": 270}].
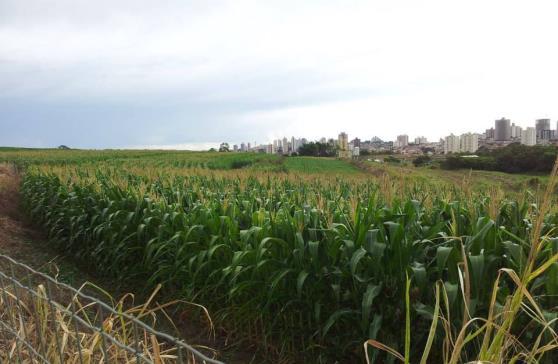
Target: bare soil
[{"x": 15, "y": 235}]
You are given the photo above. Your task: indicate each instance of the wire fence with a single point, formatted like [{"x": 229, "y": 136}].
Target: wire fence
[{"x": 46, "y": 321}]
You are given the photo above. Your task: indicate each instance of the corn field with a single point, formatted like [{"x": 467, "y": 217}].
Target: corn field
[{"x": 308, "y": 267}]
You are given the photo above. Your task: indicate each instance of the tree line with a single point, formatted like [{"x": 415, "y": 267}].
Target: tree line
[
  {"x": 514, "y": 158},
  {"x": 317, "y": 149}
]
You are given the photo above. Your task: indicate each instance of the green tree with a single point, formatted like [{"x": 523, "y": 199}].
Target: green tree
[
  {"x": 224, "y": 147},
  {"x": 422, "y": 160},
  {"x": 317, "y": 149},
  {"x": 514, "y": 158}
]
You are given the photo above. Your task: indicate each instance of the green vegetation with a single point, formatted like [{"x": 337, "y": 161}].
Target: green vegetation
[
  {"x": 422, "y": 161},
  {"x": 514, "y": 158},
  {"x": 319, "y": 165},
  {"x": 318, "y": 149},
  {"x": 312, "y": 264},
  {"x": 172, "y": 159},
  {"x": 392, "y": 159},
  {"x": 141, "y": 158},
  {"x": 515, "y": 185}
]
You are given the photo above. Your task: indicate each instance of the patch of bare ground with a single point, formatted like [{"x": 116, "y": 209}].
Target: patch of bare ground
[
  {"x": 23, "y": 242},
  {"x": 18, "y": 239}
]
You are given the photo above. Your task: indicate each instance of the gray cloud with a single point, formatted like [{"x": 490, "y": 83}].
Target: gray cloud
[{"x": 129, "y": 73}]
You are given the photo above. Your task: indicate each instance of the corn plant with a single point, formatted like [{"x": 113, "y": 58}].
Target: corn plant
[{"x": 302, "y": 267}]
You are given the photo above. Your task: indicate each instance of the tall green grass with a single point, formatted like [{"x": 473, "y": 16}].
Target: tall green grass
[{"x": 319, "y": 165}]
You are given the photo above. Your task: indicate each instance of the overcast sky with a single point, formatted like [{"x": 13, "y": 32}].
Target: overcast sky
[{"x": 138, "y": 73}]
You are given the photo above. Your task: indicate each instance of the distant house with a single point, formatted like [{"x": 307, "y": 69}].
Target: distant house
[{"x": 63, "y": 147}]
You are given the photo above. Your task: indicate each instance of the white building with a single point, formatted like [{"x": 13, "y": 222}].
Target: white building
[
  {"x": 529, "y": 136},
  {"x": 402, "y": 140},
  {"x": 469, "y": 143},
  {"x": 516, "y": 131},
  {"x": 452, "y": 144},
  {"x": 421, "y": 140}
]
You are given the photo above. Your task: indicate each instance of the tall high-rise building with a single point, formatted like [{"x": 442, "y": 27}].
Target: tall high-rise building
[
  {"x": 343, "y": 145},
  {"x": 452, "y": 144},
  {"x": 343, "y": 141},
  {"x": 516, "y": 131},
  {"x": 502, "y": 130},
  {"x": 547, "y": 135},
  {"x": 489, "y": 134},
  {"x": 529, "y": 136},
  {"x": 542, "y": 125},
  {"x": 469, "y": 142},
  {"x": 402, "y": 140},
  {"x": 421, "y": 140}
]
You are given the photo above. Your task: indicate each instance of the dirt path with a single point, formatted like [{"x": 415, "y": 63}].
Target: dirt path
[
  {"x": 26, "y": 244},
  {"x": 15, "y": 235}
]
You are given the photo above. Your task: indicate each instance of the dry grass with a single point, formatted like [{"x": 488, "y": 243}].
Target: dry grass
[{"x": 49, "y": 329}]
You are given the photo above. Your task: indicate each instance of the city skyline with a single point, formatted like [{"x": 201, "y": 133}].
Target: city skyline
[
  {"x": 206, "y": 145},
  {"x": 503, "y": 133},
  {"x": 404, "y": 139}
]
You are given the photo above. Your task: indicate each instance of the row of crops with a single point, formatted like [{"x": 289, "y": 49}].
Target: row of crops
[
  {"x": 141, "y": 158},
  {"x": 305, "y": 267}
]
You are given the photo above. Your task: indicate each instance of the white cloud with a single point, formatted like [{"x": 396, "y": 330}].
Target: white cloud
[
  {"x": 304, "y": 68},
  {"x": 182, "y": 146}
]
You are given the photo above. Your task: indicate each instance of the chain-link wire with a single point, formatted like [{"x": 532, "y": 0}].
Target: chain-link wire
[{"x": 46, "y": 321}]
